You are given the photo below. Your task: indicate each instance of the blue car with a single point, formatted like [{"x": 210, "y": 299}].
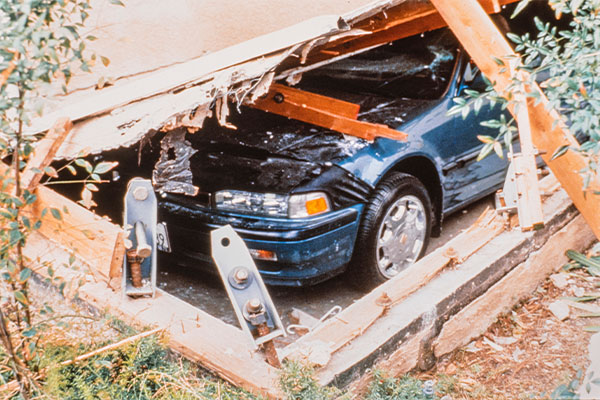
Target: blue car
[{"x": 311, "y": 203}]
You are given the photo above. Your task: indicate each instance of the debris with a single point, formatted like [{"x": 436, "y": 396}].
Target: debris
[
  {"x": 172, "y": 172},
  {"x": 560, "y": 310},
  {"x": 505, "y": 341},
  {"x": 516, "y": 355},
  {"x": 492, "y": 344},
  {"x": 559, "y": 280}
]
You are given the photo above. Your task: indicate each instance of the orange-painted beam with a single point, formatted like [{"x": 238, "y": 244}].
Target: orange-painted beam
[{"x": 327, "y": 112}]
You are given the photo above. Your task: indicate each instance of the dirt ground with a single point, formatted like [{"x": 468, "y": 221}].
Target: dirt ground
[{"x": 528, "y": 352}]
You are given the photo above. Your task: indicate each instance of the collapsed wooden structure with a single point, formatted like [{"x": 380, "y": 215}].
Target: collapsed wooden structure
[{"x": 385, "y": 327}]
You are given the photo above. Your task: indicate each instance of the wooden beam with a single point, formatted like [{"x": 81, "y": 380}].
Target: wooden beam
[
  {"x": 484, "y": 42},
  {"x": 529, "y": 202},
  {"x": 327, "y": 112},
  {"x": 91, "y": 237},
  {"x": 44, "y": 152},
  {"x": 354, "y": 320},
  {"x": 473, "y": 320},
  {"x": 193, "y": 333}
]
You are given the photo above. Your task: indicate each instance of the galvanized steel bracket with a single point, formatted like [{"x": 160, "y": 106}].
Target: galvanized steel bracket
[
  {"x": 248, "y": 294},
  {"x": 140, "y": 219}
]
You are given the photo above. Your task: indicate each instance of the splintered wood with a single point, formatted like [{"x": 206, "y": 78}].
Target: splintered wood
[
  {"x": 323, "y": 111},
  {"x": 354, "y": 320},
  {"x": 44, "y": 152}
]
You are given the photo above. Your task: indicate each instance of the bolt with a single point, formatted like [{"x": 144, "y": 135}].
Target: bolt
[
  {"x": 240, "y": 275},
  {"x": 254, "y": 306},
  {"x": 140, "y": 193}
]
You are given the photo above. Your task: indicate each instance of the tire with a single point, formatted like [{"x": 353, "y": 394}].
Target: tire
[{"x": 384, "y": 246}]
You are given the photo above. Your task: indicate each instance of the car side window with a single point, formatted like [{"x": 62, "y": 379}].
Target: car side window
[{"x": 473, "y": 78}]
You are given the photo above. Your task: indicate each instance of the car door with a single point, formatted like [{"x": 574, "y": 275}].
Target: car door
[{"x": 465, "y": 178}]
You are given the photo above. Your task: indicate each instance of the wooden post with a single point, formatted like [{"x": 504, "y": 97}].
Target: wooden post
[{"x": 484, "y": 42}]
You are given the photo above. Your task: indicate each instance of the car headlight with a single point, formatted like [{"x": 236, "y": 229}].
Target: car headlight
[{"x": 271, "y": 204}]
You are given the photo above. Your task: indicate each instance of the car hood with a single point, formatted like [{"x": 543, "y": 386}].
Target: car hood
[{"x": 269, "y": 153}]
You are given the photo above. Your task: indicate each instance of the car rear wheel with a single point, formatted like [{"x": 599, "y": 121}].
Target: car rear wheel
[{"x": 394, "y": 231}]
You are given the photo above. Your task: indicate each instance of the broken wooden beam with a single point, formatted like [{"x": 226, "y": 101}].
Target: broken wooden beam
[
  {"x": 327, "y": 112},
  {"x": 44, "y": 153},
  {"x": 402, "y": 337},
  {"x": 196, "y": 335},
  {"x": 486, "y": 45},
  {"x": 354, "y": 320},
  {"x": 473, "y": 320}
]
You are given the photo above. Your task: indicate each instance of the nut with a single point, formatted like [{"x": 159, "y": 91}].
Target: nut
[
  {"x": 254, "y": 306},
  {"x": 240, "y": 275}
]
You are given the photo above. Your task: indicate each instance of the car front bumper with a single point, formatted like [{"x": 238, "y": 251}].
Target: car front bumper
[{"x": 309, "y": 250}]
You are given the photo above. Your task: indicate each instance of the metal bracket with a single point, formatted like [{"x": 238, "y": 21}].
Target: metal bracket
[
  {"x": 140, "y": 219},
  {"x": 249, "y": 296},
  {"x": 507, "y": 199}
]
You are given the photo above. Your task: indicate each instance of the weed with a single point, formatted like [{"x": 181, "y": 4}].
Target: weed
[
  {"x": 298, "y": 383},
  {"x": 404, "y": 388}
]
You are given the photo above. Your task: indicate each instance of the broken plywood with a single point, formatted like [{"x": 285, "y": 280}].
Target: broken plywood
[{"x": 129, "y": 110}]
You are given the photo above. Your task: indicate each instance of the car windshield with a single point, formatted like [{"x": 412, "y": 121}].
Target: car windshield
[{"x": 415, "y": 68}]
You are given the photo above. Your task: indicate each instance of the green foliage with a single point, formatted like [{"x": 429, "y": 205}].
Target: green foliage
[
  {"x": 139, "y": 371},
  {"x": 39, "y": 45},
  {"x": 404, "y": 388},
  {"x": 298, "y": 383},
  {"x": 567, "y": 65}
]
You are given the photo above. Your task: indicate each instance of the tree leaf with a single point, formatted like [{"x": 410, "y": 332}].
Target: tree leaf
[
  {"x": 560, "y": 151},
  {"x": 25, "y": 274},
  {"x": 56, "y": 213},
  {"x": 29, "y": 333},
  {"x": 105, "y": 166},
  {"x": 21, "y": 298}
]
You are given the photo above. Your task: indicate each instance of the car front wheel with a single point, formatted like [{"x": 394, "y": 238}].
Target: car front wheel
[{"x": 394, "y": 231}]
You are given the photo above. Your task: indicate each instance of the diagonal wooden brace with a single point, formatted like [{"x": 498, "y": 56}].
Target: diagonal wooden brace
[
  {"x": 485, "y": 43},
  {"x": 327, "y": 112}
]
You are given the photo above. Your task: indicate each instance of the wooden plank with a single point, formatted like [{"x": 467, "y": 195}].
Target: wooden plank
[
  {"x": 323, "y": 111},
  {"x": 44, "y": 152},
  {"x": 517, "y": 285},
  {"x": 483, "y": 41},
  {"x": 78, "y": 229},
  {"x": 304, "y": 99},
  {"x": 432, "y": 305},
  {"x": 354, "y": 320},
  {"x": 197, "y": 335}
]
